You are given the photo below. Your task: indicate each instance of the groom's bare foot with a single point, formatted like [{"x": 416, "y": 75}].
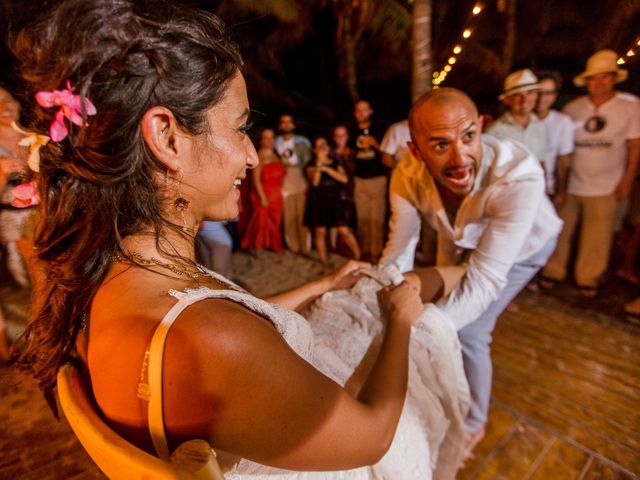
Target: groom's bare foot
[{"x": 472, "y": 442}]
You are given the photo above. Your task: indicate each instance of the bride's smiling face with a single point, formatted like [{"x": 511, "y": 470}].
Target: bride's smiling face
[{"x": 221, "y": 157}]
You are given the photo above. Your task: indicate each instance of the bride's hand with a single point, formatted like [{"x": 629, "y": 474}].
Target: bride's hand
[
  {"x": 401, "y": 303},
  {"x": 347, "y": 275}
]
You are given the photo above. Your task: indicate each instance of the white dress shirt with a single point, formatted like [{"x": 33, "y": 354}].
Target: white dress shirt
[{"x": 505, "y": 219}]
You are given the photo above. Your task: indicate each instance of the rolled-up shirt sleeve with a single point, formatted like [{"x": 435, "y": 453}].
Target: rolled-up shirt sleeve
[
  {"x": 405, "y": 224},
  {"x": 512, "y": 211}
]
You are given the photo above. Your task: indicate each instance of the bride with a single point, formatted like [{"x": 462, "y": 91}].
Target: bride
[{"x": 146, "y": 106}]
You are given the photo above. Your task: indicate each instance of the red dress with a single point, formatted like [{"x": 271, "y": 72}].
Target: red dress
[{"x": 263, "y": 229}]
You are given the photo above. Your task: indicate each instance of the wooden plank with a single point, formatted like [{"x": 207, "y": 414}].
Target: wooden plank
[
  {"x": 515, "y": 457},
  {"x": 501, "y": 422},
  {"x": 601, "y": 471},
  {"x": 550, "y": 410},
  {"x": 562, "y": 460},
  {"x": 592, "y": 404}
]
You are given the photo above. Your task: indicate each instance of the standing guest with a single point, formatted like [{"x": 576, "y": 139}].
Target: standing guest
[
  {"x": 263, "y": 229},
  {"x": 295, "y": 152},
  {"x": 486, "y": 199},
  {"x": 395, "y": 142},
  {"x": 121, "y": 197},
  {"x": 519, "y": 122},
  {"x": 560, "y": 133},
  {"x": 343, "y": 151},
  {"x": 370, "y": 181},
  {"x": 216, "y": 247},
  {"x": 325, "y": 207},
  {"x": 603, "y": 170},
  {"x": 15, "y": 223}
]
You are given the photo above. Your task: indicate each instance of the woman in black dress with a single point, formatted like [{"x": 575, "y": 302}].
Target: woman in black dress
[{"x": 326, "y": 206}]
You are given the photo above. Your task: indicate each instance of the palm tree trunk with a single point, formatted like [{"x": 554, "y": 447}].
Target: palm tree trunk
[
  {"x": 346, "y": 43},
  {"x": 509, "y": 46},
  {"x": 421, "y": 43}
]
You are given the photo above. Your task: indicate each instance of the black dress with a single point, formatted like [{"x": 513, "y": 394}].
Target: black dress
[{"x": 326, "y": 204}]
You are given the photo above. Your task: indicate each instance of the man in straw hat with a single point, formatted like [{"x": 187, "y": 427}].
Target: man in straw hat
[
  {"x": 605, "y": 161},
  {"x": 486, "y": 199},
  {"x": 519, "y": 96}
]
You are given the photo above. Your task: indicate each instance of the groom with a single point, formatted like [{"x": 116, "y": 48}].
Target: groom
[{"x": 486, "y": 199}]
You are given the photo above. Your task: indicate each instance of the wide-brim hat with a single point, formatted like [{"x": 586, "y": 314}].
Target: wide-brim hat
[
  {"x": 518, "y": 82},
  {"x": 603, "y": 61}
]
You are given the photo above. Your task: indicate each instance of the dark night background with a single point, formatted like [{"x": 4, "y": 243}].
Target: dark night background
[{"x": 292, "y": 64}]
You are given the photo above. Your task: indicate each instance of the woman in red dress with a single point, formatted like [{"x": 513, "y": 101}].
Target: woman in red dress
[{"x": 263, "y": 229}]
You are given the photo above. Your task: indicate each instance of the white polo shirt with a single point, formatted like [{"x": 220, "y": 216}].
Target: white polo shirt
[
  {"x": 504, "y": 220},
  {"x": 560, "y": 133},
  {"x": 600, "y": 155},
  {"x": 395, "y": 140},
  {"x": 533, "y": 136}
]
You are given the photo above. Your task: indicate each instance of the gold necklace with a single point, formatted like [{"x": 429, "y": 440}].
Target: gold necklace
[{"x": 176, "y": 268}]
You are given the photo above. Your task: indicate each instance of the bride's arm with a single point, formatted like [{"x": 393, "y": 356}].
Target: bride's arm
[{"x": 298, "y": 297}]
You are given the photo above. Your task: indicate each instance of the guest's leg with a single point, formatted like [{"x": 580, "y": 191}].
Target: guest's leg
[
  {"x": 596, "y": 235},
  {"x": 319, "y": 237},
  {"x": 350, "y": 240},
  {"x": 304, "y": 238},
  {"x": 556, "y": 268},
  {"x": 360, "y": 199},
  {"x": 289, "y": 218},
  {"x": 378, "y": 210}
]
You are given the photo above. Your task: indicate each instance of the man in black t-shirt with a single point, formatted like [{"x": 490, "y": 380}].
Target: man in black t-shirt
[{"x": 370, "y": 181}]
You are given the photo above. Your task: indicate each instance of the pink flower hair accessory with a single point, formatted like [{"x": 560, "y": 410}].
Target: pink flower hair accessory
[
  {"x": 25, "y": 195},
  {"x": 70, "y": 107}
]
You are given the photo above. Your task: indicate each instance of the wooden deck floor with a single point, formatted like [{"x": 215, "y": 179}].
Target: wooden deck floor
[{"x": 566, "y": 401}]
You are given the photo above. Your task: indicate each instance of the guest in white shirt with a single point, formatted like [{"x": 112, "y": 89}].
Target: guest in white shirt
[
  {"x": 519, "y": 122},
  {"x": 486, "y": 199},
  {"x": 603, "y": 170},
  {"x": 560, "y": 133}
]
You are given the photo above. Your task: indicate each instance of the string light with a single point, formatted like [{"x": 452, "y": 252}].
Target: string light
[
  {"x": 621, "y": 61},
  {"x": 439, "y": 77},
  {"x": 630, "y": 53}
]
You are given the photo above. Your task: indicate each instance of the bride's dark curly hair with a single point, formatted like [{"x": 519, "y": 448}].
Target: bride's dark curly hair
[{"x": 97, "y": 186}]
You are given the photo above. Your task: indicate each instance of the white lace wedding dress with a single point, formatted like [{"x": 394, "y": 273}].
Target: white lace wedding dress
[{"x": 340, "y": 338}]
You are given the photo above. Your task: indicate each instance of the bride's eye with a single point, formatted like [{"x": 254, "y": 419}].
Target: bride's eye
[{"x": 246, "y": 128}]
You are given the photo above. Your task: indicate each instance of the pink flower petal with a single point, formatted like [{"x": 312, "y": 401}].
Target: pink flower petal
[
  {"x": 25, "y": 195},
  {"x": 46, "y": 99},
  {"x": 58, "y": 130},
  {"x": 89, "y": 107},
  {"x": 73, "y": 115}
]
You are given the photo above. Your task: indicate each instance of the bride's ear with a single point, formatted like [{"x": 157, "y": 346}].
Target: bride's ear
[{"x": 163, "y": 137}]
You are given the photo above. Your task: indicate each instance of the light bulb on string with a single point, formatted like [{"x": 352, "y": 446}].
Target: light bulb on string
[
  {"x": 621, "y": 61},
  {"x": 477, "y": 9},
  {"x": 466, "y": 33},
  {"x": 630, "y": 53},
  {"x": 447, "y": 68},
  {"x": 452, "y": 60},
  {"x": 457, "y": 49}
]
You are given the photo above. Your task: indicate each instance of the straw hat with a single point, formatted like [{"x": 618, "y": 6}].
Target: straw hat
[
  {"x": 603, "y": 61},
  {"x": 519, "y": 81}
]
